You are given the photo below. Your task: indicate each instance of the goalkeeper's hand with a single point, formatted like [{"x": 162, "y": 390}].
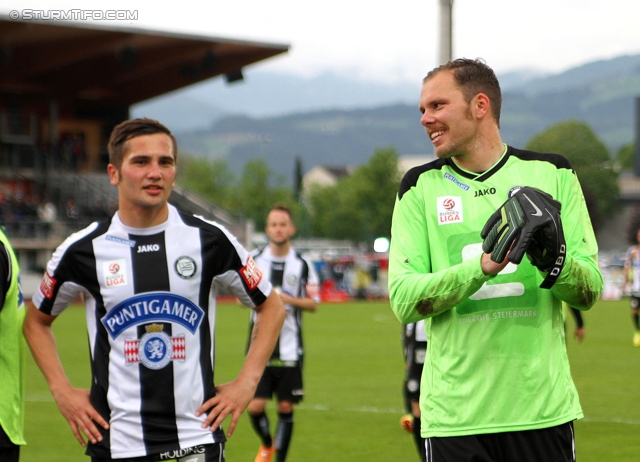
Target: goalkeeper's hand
[{"x": 528, "y": 222}]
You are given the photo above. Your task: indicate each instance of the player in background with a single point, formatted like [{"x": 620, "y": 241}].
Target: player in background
[
  {"x": 12, "y": 355},
  {"x": 496, "y": 383},
  {"x": 149, "y": 276},
  {"x": 414, "y": 342},
  {"x": 579, "y": 331},
  {"x": 295, "y": 280},
  {"x": 632, "y": 286}
]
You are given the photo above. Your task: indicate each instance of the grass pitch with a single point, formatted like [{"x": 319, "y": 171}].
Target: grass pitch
[{"x": 353, "y": 379}]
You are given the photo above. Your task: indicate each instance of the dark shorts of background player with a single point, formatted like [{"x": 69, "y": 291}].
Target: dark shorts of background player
[
  {"x": 285, "y": 382},
  {"x": 635, "y": 301},
  {"x": 548, "y": 444},
  {"x": 9, "y": 452},
  {"x": 202, "y": 453}
]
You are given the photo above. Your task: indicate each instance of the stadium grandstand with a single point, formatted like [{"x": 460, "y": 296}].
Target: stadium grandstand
[{"x": 63, "y": 87}]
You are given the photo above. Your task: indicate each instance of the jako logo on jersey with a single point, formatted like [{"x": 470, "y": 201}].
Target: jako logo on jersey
[
  {"x": 251, "y": 274},
  {"x": 449, "y": 209},
  {"x": 484, "y": 192},
  {"x": 148, "y": 248},
  {"x": 115, "y": 273},
  {"x": 450, "y": 177},
  {"x": 151, "y": 307}
]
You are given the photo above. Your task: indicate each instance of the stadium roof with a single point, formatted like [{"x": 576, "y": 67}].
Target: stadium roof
[{"x": 91, "y": 65}]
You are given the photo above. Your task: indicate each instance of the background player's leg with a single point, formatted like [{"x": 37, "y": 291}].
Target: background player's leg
[
  {"x": 260, "y": 423},
  {"x": 283, "y": 434}
]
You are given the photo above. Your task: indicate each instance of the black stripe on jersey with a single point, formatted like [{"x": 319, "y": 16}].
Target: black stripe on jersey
[
  {"x": 213, "y": 239},
  {"x": 78, "y": 265},
  {"x": 277, "y": 273},
  {"x": 556, "y": 159},
  {"x": 210, "y": 240},
  {"x": 150, "y": 274},
  {"x": 277, "y": 276},
  {"x": 7, "y": 269},
  {"x": 304, "y": 276},
  {"x": 410, "y": 179},
  {"x": 100, "y": 356}
]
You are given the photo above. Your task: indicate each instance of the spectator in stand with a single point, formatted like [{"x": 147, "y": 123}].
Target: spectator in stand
[
  {"x": 72, "y": 213},
  {"x": 47, "y": 213}
]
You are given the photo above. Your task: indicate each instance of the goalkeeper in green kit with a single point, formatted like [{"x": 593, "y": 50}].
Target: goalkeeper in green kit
[{"x": 487, "y": 241}]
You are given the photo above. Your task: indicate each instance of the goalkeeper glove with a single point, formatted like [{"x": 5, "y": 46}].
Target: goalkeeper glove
[{"x": 528, "y": 222}]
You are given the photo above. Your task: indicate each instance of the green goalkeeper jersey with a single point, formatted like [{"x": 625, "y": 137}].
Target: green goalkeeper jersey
[
  {"x": 497, "y": 357},
  {"x": 12, "y": 346}
]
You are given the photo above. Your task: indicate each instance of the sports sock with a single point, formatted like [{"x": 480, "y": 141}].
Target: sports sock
[
  {"x": 636, "y": 321},
  {"x": 260, "y": 423},
  {"x": 283, "y": 435}
]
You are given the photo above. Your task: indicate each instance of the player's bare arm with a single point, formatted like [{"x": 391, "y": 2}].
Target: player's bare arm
[
  {"x": 232, "y": 398},
  {"x": 300, "y": 303},
  {"x": 73, "y": 402}
]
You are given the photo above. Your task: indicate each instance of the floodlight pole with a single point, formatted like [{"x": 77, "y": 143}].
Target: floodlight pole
[
  {"x": 636, "y": 161},
  {"x": 446, "y": 31}
]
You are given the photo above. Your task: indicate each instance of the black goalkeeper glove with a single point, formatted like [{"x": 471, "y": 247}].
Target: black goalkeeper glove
[{"x": 528, "y": 222}]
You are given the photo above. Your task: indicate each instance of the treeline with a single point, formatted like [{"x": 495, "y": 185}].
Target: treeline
[{"x": 359, "y": 206}]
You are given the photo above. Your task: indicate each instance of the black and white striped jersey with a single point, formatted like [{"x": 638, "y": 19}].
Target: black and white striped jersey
[
  {"x": 150, "y": 308},
  {"x": 415, "y": 343},
  {"x": 296, "y": 276}
]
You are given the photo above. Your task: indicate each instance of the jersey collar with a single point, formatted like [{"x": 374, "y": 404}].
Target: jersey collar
[{"x": 484, "y": 175}]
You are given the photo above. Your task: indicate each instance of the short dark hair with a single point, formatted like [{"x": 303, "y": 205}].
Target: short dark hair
[
  {"x": 132, "y": 128},
  {"x": 281, "y": 208},
  {"x": 474, "y": 76}
]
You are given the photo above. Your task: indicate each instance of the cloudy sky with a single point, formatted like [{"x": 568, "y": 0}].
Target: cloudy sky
[{"x": 395, "y": 40}]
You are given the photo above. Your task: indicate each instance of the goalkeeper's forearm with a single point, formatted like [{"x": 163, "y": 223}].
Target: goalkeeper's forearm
[
  {"x": 579, "y": 284},
  {"x": 415, "y": 295}
]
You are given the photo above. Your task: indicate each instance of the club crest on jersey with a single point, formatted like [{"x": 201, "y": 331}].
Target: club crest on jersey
[
  {"x": 449, "y": 210},
  {"x": 155, "y": 349},
  {"x": 115, "y": 273},
  {"x": 185, "y": 267},
  {"x": 513, "y": 190},
  {"x": 152, "y": 307}
]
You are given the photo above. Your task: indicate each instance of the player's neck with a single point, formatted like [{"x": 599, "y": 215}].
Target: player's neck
[
  {"x": 481, "y": 157},
  {"x": 280, "y": 250},
  {"x": 139, "y": 217}
]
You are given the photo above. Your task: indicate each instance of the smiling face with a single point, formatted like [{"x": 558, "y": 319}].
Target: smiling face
[
  {"x": 447, "y": 117},
  {"x": 145, "y": 179}
]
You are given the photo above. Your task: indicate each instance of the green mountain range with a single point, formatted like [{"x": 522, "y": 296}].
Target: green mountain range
[{"x": 600, "y": 93}]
